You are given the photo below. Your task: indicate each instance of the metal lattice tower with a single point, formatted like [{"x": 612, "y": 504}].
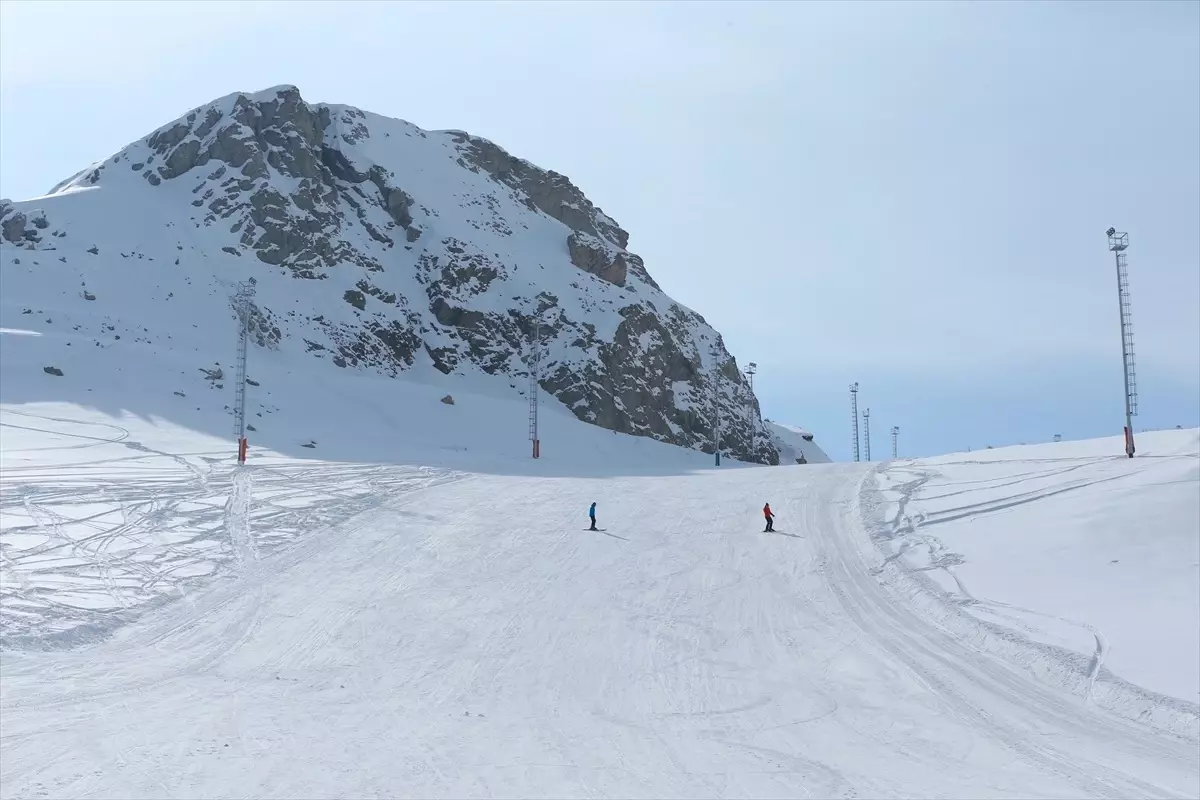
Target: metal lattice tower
[
  {"x": 535, "y": 365},
  {"x": 867, "y": 433},
  {"x": 895, "y": 441},
  {"x": 242, "y": 303},
  {"x": 750, "y": 371},
  {"x": 1117, "y": 243},
  {"x": 854, "y": 416},
  {"x": 717, "y": 414}
]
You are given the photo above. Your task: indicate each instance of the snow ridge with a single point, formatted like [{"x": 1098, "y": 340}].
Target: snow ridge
[{"x": 795, "y": 445}]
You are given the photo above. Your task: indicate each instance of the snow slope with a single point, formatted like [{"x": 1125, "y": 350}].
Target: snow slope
[
  {"x": 1070, "y": 544},
  {"x": 115, "y": 497},
  {"x": 438, "y": 629},
  {"x": 794, "y": 444}
]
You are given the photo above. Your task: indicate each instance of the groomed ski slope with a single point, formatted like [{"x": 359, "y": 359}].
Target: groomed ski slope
[
  {"x": 1068, "y": 544},
  {"x": 469, "y": 638}
]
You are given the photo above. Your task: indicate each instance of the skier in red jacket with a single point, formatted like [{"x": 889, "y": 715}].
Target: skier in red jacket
[{"x": 770, "y": 518}]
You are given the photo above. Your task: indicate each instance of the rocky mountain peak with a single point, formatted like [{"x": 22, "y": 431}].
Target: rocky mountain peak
[{"x": 437, "y": 247}]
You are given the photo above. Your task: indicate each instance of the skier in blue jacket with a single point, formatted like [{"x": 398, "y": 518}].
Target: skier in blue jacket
[{"x": 592, "y": 516}]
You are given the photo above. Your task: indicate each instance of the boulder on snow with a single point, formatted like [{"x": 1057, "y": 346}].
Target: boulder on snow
[
  {"x": 52, "y": 371},
  {"x": 448, "y": 400}
]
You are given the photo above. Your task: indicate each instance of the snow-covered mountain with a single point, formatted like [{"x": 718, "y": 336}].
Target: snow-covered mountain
[{"x": 378, "y": 247}]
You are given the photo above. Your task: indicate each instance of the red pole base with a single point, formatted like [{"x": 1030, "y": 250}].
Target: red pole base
[
  {"x": 537, "y": 448},
  {"x": 1129, "y": 448},
  {"x": 242, "y": 447}
]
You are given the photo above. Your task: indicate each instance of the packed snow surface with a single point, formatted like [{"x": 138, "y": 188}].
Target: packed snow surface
[
  {"x": 433, "y": 619},
  {"x": 1071, "y": 544}
]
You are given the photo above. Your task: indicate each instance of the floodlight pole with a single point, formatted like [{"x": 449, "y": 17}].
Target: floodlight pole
[
  {"x": 242, "y": 305},
  {"x": 867, "y": 432},
  {"x": 717, "y": 426},
  {"x": 1117, "y": 243},
  {"x": 854, "y": 417}
]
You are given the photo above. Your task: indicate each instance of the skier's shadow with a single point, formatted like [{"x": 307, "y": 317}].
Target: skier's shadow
[
  {"x": 615, "y": 536},
  {"x": 781, "y": 533}
]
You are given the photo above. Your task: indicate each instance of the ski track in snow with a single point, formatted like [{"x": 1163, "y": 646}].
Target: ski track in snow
[
  {"x": 905, "y": 538},
  {"x": 88, "y": 545},
  {"x": 440, "y": 634}
]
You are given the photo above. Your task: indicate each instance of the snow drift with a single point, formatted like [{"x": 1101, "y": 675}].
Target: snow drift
[{"x": 795, "y": 445}]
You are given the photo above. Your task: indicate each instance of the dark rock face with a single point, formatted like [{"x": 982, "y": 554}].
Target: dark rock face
[
  {"x": 554, "y": 195},
  {"x": 590, "y": 255},
  {"x": 633, "y": 390},
  {"x": 21, "y": 227},
  {"x": 467, "y": 272}
]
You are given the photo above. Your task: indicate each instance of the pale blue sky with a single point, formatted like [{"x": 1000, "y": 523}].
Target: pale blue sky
[{"x": 913, "y": 196}]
